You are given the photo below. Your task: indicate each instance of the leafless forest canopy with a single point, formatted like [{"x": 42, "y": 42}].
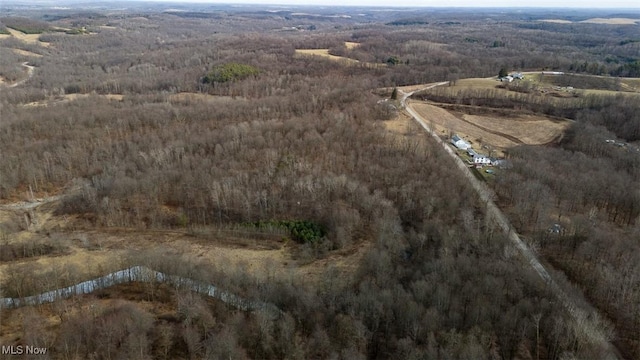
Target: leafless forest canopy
[{"x": 123, "y": 103}]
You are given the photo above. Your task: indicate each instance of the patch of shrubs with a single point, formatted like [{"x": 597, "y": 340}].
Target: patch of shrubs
[
  {"x": 302, "y": 231},
  {"x": 230, "y": 72}
]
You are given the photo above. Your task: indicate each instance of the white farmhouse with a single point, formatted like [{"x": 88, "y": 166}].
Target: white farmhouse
[{"x": 481, "y": 160}]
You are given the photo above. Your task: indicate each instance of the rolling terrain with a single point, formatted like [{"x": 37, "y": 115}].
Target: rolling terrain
[{"x": 275, "y": 154}]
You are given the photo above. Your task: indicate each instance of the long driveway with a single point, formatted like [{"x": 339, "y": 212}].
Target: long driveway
[
  {"x": 29, "y": 75},
  {"x": 580, "y": 314}
]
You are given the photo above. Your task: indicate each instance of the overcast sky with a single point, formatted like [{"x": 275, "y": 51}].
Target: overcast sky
[{"x": 635, "y": 4}]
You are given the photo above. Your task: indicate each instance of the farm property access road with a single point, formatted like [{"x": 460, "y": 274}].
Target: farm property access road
[{"x": 582, "y": 315}]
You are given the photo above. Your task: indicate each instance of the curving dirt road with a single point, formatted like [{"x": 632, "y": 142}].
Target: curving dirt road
[
  {"x": 586, "y": 317},
  {"x": 71, "y": 188},
  {"x": 494, "y": 132},
  {"x": 29, "y": 75}
]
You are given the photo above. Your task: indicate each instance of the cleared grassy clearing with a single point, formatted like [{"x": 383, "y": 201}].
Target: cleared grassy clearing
[
  {"x": 557, "y": 21},
  {"x": 26, "y": 53},
  {"x": 609, "y": 92},
  {"x": 351, "y": 45},
  {"x": 611, "y": 21},
  {"x": 445, "y": 123},
  {"x": 88, "y": 253},
  {"x": 199, "y": 97},
  {"x": 177, "y": 98},
  {"x": 325, "y": 53},
  {"x": 28, "y": 38},
  {"x": 499, "y": 133},
  {"x": 530, "y": 129},
  {"x": 608, "y": 21},
  {"x": 630, "y": 84},
  {"x": 480, "y": 83},
  {"x": 61, "y": 99},
  {"x": 94, "y": 253},
  {"x": 58, "y": 28},
  {"x": 542, "y": 84}
]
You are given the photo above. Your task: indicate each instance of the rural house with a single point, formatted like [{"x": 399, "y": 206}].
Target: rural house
[{"x": 481, "y": 160}]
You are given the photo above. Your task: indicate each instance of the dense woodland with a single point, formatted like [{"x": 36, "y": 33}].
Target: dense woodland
[{"x": 286, "y": 138}]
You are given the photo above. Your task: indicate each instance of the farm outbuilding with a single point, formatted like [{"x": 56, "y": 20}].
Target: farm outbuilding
[{"x": 459, "y": 143}]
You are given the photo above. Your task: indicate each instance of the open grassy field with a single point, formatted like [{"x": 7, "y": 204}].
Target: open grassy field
[
  {"x": 28, "y": 38},
  {"x": 184, "y": 97},
  {"x": 497, "y": 132},
  {"x": 529, "y": 129},
  {"x": 62, "y": 99},
  {"x": 325, "y": 53},
  {"x": 26, "y": 53},
  {"x": 547, "y": 85},
  {"x": 608, "y": 21},
  {"x": 88, "y": 253},
  {"x": 557, "y": 21},
  {"x": 611, "y": 21},
  {"x": 351, "y": 45}
]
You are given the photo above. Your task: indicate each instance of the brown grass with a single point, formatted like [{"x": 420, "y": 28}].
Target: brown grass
[
  {"x": 26, "y": 53},
  {"x": 180, "y": 97},
  {"x": 557, "y": 21},
  {"x": 611, "y": 21},
  {"x": 499, "y": 132},
  {"x": 628, "y": 85},
  {"x": 60, "y": 28},
  {"x": 633, "y": 92},
  {"x": 94, "y": 252},
  {"x": 199, "y": 97},
  {"x": 351, "y": 45},
  {"x": 410, "y": 88},
  {"x": 325, "y": 53},
  {"x": 482, "y": 83},
  {"x": 400, "y": 125},
  {"x": 62, "y": 99},
  {"x": 478, "y": 84},
  {"x": 444, "y": 123},
  {"x": 28, "y": 38},
  {"x": 530, "y": 129}
]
